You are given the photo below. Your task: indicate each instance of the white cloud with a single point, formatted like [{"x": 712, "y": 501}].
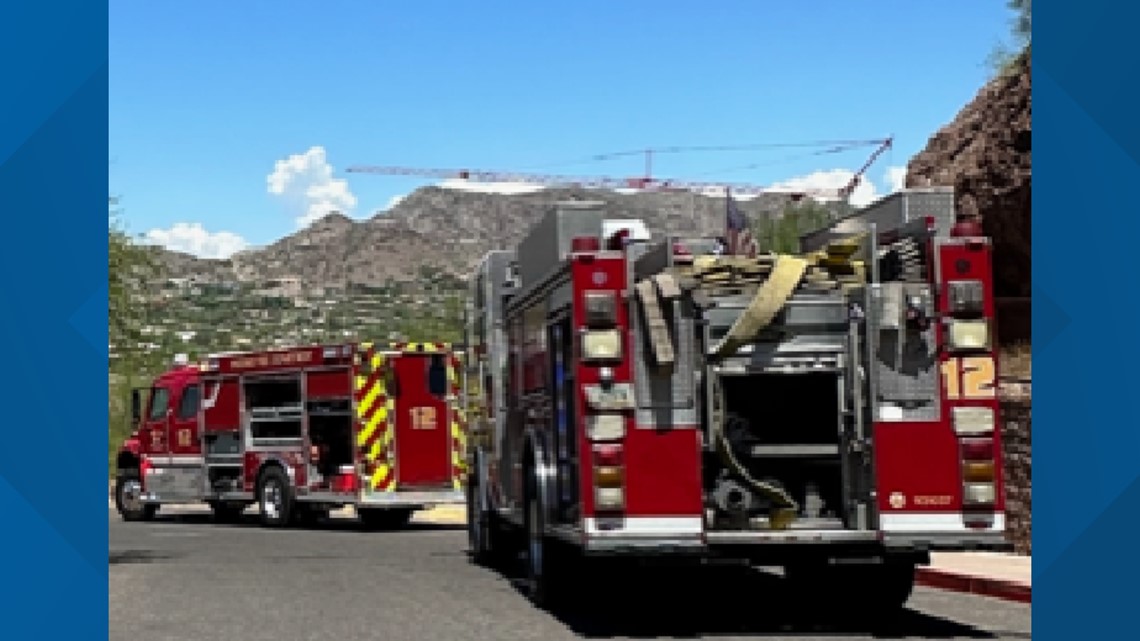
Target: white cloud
[
  {"x": 896, "y": 178},
  {"x": 192, "y": 238},
  {"x": 831, "y": 181},
  {"x": 305, "y": 183}
]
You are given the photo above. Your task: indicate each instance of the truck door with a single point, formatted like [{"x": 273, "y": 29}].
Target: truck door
[
  {"x": 423, "y": 443},
  {"x": 183, "y": 435},
  {"x": 154, "y": 438}
]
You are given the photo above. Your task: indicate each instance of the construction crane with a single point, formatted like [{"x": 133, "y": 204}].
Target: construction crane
[
  {"x": 848, "y": 189},
  {"x": 646, "y": 182},
  {"x": 586, "y": 182}
]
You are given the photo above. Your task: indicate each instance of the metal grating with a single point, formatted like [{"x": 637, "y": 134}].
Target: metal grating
[{"x": 905, "y": 364}]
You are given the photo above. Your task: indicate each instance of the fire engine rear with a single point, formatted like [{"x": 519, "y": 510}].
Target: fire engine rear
[
  {"x": 832, "y": 413},
  {"x": 300, "y": 432}
]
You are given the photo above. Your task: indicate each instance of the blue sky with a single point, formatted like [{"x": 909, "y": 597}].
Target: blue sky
[{"x": 216, "y": 104}]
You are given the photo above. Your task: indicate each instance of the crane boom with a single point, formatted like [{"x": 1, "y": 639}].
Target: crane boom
[
  {"x": 589, "y": 182},
  {"x": 646, "y": 182},
  {"x": 847, "y": 190}
]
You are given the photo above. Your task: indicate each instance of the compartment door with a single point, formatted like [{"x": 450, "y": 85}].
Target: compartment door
[{"x": 423, "y": 436}]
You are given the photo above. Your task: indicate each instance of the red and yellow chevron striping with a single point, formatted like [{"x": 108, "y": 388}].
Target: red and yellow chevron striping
[
  {"x": 458, "y": 424},
  {"x": 374, "y": 434}
]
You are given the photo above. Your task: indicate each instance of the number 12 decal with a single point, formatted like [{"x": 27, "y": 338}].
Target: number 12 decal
[
  {"x": 969, "y": 378},
  {"x": 423, "y": 418}
]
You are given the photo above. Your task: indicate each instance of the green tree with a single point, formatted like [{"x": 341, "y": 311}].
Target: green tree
[
  {"x": 1003, "y": 56},
  {"x": 132, "y": 272},
  {"x": 782, "y": 234}
]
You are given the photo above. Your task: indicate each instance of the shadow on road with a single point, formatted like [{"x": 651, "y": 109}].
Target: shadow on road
[
  {"x": 128, "y": 557},
  {"x": 336, "y": 524},
  {"x": 721, "y": 601}
]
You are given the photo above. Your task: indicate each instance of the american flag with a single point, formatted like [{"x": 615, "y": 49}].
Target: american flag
[{"x": 739, "y": 236}]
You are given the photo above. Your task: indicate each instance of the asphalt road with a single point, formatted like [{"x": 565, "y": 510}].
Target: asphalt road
[{"x": 187, "y": 578}]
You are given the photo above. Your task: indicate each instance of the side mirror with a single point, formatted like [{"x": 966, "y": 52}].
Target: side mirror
[{"x": 136, "y": 407}]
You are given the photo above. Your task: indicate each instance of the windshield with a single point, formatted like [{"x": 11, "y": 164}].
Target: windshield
[{"x": 158, "y": 403}]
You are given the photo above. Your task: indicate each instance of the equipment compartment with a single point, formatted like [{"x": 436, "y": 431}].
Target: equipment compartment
[{"x": 777, "y": 434}]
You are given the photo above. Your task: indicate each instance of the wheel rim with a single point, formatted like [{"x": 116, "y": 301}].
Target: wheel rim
[
  {"x": 535, "y": 542},
  {"x": 130, "y": 496},
  {"x": 271, "y": 500}
]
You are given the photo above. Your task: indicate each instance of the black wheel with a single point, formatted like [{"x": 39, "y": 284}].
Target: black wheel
[
  {"x": 546, "y": 566},
  {"x": 384, "y": 518},
  {"x": 478, "y": 525},
  {"x": 128, "y": 498},
  {"x": 275, "y": 498},
  {"x": 227, "y": 512},
  {"x": 895, "y": 581}
]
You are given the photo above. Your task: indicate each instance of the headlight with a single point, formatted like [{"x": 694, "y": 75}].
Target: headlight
[
  {"x": 972, "y": 421},
  {"x": 605, "y": 427},
  {"x": 978, "y": 494},
  {"x": 609, "y": 498},
  {"x": 602, "y": 345},
  {"x": 973, "y": 334},
  {"x": 965, "y": 296}
]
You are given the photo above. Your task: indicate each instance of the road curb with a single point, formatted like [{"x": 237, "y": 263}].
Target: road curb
[{"x": 971, "y": 584}]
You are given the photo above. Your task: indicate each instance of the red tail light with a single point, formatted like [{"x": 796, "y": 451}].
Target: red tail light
[
  {"x": 608, "y": 455},
  {"x": 977, "y": 449}
]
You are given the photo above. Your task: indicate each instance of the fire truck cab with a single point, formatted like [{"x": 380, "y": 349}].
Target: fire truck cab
[
  {"x": 833, "y": 414},
  {"x": 299, "y": 432}
]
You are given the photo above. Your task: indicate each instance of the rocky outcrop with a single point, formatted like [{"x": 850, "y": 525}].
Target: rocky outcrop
[
  {"x": 985, "y": 155},
  {"x": 1016, "y": 434}
]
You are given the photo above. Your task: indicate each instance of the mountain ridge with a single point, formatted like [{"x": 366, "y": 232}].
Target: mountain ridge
[{"x": 445, "y": 231}]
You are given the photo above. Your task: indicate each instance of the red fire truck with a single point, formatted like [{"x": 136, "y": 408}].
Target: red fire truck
[
  {"x": 621, "y": 409},
  {"x": 300, "y": 432}
]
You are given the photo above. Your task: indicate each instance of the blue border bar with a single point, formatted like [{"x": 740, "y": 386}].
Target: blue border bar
[
  {"x": 1086, "y": 233},
  {"x": 53, "y": 190}
]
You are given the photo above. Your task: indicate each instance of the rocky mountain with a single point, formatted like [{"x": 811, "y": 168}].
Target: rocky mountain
[
  {"x": 985, "y": 154},
  {"x": 444, "y": 231}
]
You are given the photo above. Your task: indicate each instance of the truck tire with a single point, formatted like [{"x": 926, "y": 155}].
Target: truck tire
[
  {"x": 478, "y": 525},
  {"x": 275, "y": 498},
  {"x": 128, "y": 500},
  {"x": 545, "y": 571},
  {"x": 895, "y": 581}
]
